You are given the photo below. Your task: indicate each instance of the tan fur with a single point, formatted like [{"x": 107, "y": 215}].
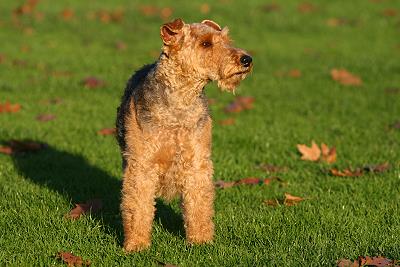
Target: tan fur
[{"x": 168, "y": 152}]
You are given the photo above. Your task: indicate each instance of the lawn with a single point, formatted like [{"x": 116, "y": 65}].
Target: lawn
[{"x": 48, "y": 50}]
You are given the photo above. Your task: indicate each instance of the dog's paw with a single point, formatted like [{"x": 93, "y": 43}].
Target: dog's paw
[{"x": 130, "y": 247}]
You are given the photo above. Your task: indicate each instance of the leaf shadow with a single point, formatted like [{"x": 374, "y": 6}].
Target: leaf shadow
[{"x": 77, "y": 180}]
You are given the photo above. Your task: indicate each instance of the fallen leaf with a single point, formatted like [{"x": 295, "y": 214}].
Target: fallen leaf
[
  {"x": 205, "y": 8},
  {"x": 120, "y": 45},
  {"x": 271, "y": 8},
  {"x": 345, "y": 78},
  {"x": 160, "y": 263},
  {"x": 7, "y": 107},
  {"x": 166, "y": 13},
  {"x": 92, "y": 205},
  {"x": 368, "y": 261},
  {"x": 26, "y": 8},
  {"x": 107, "y": 131},
  {"x": 392, "y": 90},
  {"x": 239, "y": 104},
  {"x": 309, "y": 153},
  {"x": 18, "y": 146},
  {"x": 378, "y": 168},
  {"x": 67, "y": 14},
  {"x": 346, "y": 172},
  {"x": 148, "y": 10},
  {"x": 71, "y": 259},
  {"x": 306, "y": 7},
  {"x": 51, "y": 101},
  {"x": 294, "y": 73},
  {"x": 390, "y": 12},
  {"x": 328, "y": 155},
  {"x": 272, "y": 202},
  {"x": 92, "y": 82},
  {"x": 247, "y": 181},
  {"x": 45, "y": 117},
  {"x": 291, "y": 200},
  {"x": 395, "y": 125},
  {"x": 229, "y": 121}
]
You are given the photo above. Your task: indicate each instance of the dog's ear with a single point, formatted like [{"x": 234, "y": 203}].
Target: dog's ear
[
  {"x": 212, "y": 24},
  {"x": 171, "y": 32}
]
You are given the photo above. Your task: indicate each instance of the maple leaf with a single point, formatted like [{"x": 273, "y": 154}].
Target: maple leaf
[
  {"x": 107, "y": 131},
  {"x": 345, "y": 78},
  {"x": 328, "y": 154},
  {"x": 92, "y": 205},
  {"x": 71, "y": 259},
  {"x": 291, "y": 200},
  {"x": 92, "y": 82},
  {"x": 309, "y": 153},
  {"x": 17, "y": 146},
  {"x": 45, "y": 117},
  {"x": 7, "y": 107}
]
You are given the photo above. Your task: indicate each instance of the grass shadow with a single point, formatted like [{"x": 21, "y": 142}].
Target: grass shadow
[{"x": 74, "y": 177}]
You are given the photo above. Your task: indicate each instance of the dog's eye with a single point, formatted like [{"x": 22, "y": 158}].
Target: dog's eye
[{"x": 206, "y": 44}]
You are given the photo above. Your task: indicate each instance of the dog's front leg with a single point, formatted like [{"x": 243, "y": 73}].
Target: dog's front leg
[{"x": 137, "y": 207}]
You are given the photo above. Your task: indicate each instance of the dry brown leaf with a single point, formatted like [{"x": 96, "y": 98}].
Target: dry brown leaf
[
  {"x": 272, "y": 202},
  {"x": 92, "y": 205},
  {"x": 67, "y": 14},
  {"x": 7, "y": 107},
  {"x": 368, "y": 261},
  {"x": 92, "y": 82},
  {"x": 294, "y": 73},
  {"x": 346, "y": 172},
  {"x": 228, "y": 121},
  {"x": 389, "y": 12},
  {"x": 72, "y": 260},
  {"x": 247, "y": 181},
  {"x": 45, "y": 117},
  {"x": 306, "y": 7},
  {"x": 291, "y": 200},
  {"x": 345, "y": 78},
  {"x": 107, "y": 131},
  {"x": 121, "y": 45},
  {"x": 18, "y": 146},
  {"x": 309, "y": 153},
  {"x": 328, "y": 155},
  {"x": 166, "y": 13},
  {"x": 239, "y": 104},
  {"x": 377, "y": 168},
  {"x": 148, "y": 10},
  {"x": 271, "y": 8},
  {"x": 205, "y": 8}
]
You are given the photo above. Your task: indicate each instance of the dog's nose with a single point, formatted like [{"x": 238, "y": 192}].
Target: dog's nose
[{"x": 246, "y": 60}]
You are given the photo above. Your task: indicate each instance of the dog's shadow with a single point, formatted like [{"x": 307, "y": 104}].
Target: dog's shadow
[{"x": 75, "y": 178}]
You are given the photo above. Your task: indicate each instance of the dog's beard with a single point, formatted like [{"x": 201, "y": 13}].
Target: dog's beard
[{"x": 231, "y": 82}]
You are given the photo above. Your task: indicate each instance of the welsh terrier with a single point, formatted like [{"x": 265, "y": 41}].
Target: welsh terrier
[{"x": 164, "y": 129}]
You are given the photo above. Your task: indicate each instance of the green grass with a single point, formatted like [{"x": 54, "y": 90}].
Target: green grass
[{"x": 343, "y": 217}]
